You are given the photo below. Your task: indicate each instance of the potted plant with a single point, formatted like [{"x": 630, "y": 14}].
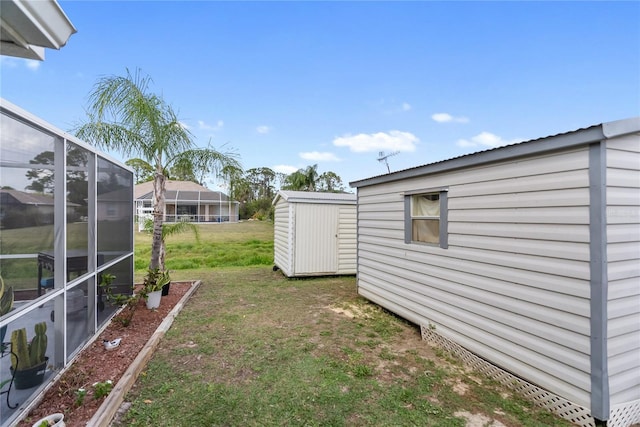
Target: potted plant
[
  {"x": 28, "y": 360},
  {"x": 53, "y": 420},
  {"x": 152, "y": 286},
  {"x": 6, "y": 305}
]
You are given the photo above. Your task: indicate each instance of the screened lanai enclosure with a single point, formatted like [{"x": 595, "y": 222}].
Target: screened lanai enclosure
[
  {"x": 66, "y": 218},
  {"x": 187, "y": 201}
]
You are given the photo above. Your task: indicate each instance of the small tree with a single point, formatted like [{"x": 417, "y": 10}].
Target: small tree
[{"x": 123, "y": 115}]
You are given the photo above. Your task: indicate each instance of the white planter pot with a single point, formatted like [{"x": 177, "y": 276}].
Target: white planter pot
[
  {"x": 56, "y": 420},
  {"x": 153, "y": 299}
]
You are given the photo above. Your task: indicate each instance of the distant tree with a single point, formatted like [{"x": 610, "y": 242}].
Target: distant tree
[
  {"x": 262, "y": 182},
  {"x": 183, "y": 170},
  {"x": 142, "y": 171},
  {"x": 311, "y": 177},
  {"x": 77, "y": 187},
  {"x": 231, "y": 175},
  {"x": 254, "y": 189},
  {"x": 41, "y": 177},
  {"x": 294, "y": 181},
  {"x": 302, "y": 179},
  {"x": 124, "y": 115},
  {"x": 280, "y": 179},
  {"x": 330, "y": 182}
]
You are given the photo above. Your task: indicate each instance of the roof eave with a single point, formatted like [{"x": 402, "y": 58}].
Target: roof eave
[
  {"x": 538, "y": 146},
  {"x": 28, "y": 27}
]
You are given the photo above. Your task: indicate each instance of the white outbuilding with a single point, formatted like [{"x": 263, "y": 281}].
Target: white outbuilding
[
  {"x": 314, "y": 233},
  {"x": 524, "y": 260}
]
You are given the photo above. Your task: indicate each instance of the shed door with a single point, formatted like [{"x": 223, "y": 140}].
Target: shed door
[{"x": 316, "y": 249}]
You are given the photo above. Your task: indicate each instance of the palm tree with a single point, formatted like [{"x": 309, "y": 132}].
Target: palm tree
[
  {"x": 302, "y": 179},
  {"x": 124, "y": 116},
  {"x": 311, "y": 177}
]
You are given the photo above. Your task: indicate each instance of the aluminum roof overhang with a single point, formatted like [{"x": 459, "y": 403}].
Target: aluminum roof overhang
[{"x": 27, "y": 27}]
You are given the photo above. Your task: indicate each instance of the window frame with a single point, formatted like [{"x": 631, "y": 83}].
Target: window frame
[{"x": 443, "y": 238}]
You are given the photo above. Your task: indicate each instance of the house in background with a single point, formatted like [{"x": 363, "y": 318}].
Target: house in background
[
  {"x": 523, "y": 259},
  {"x": 22, "y": 209},
  {"x": 188, "y": 200},
  {"x": 314, "y": 233}
]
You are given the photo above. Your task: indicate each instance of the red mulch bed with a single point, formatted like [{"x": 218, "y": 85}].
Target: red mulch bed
[{"x": 95, "y": 364}]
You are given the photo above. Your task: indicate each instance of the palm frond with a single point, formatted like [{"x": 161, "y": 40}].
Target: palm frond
[{"x": 179, "y": 228}]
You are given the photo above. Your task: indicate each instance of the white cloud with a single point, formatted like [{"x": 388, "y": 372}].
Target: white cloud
[
  {"x": 7, "y": 61},
  {"x": 390, "y": 107},
  {"x": 12, "y": 62},
  {"x": 32, "y": 64},
  {"x": 263, "y": 129},
  {"x": 321, "y": 157},
  {"x": 184, "y": 125},
  {"x": 448, "y": 118},
  {"x": 485, "y": 139},
  {"x": 394, "y": 140},
  {"x": 286, "y": 169},
  {"x": 205, "y": 126}
]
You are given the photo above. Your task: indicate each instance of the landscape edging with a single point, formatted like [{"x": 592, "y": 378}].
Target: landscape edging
[{"x": 105, "y": 413}]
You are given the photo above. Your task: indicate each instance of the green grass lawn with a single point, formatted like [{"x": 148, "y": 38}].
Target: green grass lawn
[
  {"x": 220, "y": 245},
  {"x": 253, "y": 348}
]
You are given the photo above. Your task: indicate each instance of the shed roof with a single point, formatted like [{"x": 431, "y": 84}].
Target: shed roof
[
  {"x": 551, "y": 143},
  {"x": 315, "y": 197}
]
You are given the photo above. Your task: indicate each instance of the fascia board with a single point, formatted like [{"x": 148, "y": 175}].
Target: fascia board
[
  {"x": 581, "y": 137},
  {"x": 621, "y": 127}
]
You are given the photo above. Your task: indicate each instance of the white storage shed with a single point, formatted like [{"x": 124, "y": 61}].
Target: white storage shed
[
  {"x": 314, "y": 233},
  {"x": 525, "y": 260}
]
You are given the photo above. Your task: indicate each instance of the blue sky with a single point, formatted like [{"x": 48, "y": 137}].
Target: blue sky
[{"x": 291, "y": 84}]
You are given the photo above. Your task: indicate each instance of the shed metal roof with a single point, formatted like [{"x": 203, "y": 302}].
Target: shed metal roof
[
  {"x": 551, "y": 143},
  {"x": 315, "y": 197}
]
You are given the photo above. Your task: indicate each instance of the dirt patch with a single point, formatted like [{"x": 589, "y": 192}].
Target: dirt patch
[
  {"x": 352, "y": 311},
  {"x": 95, "y": 364},
  {"x": 478, "y": 420}
]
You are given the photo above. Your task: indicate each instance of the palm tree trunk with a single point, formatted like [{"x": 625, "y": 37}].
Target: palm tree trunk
[{"x": 157, "y": 244}]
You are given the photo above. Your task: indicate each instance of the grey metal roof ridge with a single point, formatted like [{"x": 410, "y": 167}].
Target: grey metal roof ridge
[{"x": 551, "y": 143}]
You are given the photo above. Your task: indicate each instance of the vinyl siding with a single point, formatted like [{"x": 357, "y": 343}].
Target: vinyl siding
[
  {"x": 347, "y": 239},
  {"x": 282, "y": 237},
  {"x": 623, "y": 256},
  {"x": 513, "y": 285}
]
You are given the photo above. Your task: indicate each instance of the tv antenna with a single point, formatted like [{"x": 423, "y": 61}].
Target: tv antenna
[{"x": 383, "y": 158}]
